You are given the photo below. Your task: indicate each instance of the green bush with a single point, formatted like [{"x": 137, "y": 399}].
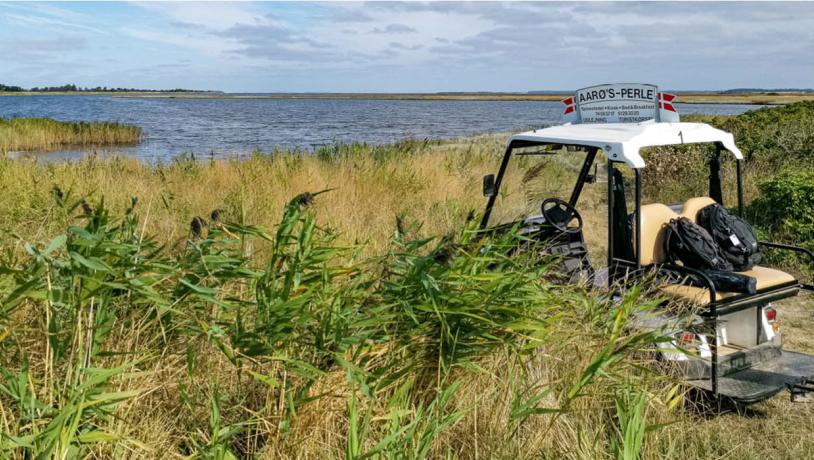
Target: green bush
[
  {"x": 785, "y": 208},
  {"x": 777, "y": 134}
]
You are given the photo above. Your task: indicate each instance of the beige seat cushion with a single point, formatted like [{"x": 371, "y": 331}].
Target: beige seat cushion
[
  {"x": 693, "y": 205},
  {"x": 765, "y": 278},
  {"x": 655, "y": 218}
]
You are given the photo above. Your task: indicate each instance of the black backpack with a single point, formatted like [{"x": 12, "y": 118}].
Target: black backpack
[
  {"x": 693, "y": 246},
  {"x": 733, "y": 235}
]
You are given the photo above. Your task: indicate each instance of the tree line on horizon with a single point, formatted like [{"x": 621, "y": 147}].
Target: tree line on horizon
[{"x": 74, "y": 88}]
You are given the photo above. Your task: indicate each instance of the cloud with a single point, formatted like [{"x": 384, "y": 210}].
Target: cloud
[
  {"x": 204, "y": 43},
  {"x": 213, "y": 15},
  {"x": 394, "y": 29},
  {"x": 276, "y": 42},
  {"x": 48, "y": 17},
  {"x": 42, "y": 51},
  {"x": 401, "y": 46},
  {"x": 58, "y": 44},
  {"x": 345, "y": 16},
  {"x": 188, "y": 26},
  {"x": 415, "y": 46}
]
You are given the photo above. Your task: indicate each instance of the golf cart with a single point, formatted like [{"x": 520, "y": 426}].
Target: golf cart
[{"x": 733, "y": 348}]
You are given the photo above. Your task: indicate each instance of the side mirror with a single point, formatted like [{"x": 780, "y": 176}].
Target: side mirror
[{"x": 489, "y": 185}]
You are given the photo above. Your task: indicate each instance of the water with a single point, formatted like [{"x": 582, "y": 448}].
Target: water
[{"x": 235, "y": 127}]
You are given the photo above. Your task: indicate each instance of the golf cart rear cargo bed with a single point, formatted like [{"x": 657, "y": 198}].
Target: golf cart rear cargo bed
[{"x": 764, "y": 379}]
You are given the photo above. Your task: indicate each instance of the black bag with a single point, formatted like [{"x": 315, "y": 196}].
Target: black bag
[
  {"x": 733, "y": 235},
  {"x": 728, "y": 282},
  {"x": 693, "y": 246},
  {"x": 722, "y": 280}
]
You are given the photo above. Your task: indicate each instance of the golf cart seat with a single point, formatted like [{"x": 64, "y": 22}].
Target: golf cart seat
[
  {"x": 655, "y": 218},
  {"x": 766, "y": 279},
  {"x": 693, "y": 205}
]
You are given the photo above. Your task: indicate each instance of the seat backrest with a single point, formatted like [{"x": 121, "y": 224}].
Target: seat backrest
[
  {"x": 655, "y": 218},
  {"x": 693, "y": 205}
]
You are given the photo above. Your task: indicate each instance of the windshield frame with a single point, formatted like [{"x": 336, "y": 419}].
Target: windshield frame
[{"x": 518, "y": 144}]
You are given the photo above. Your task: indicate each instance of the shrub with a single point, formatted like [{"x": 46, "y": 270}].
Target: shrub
[
  {"x": 785, "y": 208},
  {"x": 779, "y": 134}
]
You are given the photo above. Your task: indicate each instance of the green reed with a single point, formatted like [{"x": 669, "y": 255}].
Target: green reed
[{"x": 92, "y": 318}]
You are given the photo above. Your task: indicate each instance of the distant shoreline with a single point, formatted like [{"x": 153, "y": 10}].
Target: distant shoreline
[
  {"x": 769, "y": 98},
  {"x": 107, "y": 93}
]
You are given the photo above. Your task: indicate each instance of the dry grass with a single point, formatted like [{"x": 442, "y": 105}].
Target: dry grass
[
  {"x": 46, "y": 134},
  {"x": 434, "y": 183},
  {"x": 437, "y": 184}
]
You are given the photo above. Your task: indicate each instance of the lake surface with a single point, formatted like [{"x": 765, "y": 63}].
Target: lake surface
[{"x": 234, "y": 127}]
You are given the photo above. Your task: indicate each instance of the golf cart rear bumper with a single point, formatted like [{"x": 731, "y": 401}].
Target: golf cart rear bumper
[
  {"x": 694, "y": 368},
  {"x": 763, "y": 379}
]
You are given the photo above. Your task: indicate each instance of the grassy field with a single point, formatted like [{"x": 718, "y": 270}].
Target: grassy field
[
  {"x": 226, "y": 309},
  {"x": 47, "y": 134}
]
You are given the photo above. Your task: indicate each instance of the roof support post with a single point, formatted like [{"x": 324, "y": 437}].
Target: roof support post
[
  {"x": 739, "y": 164},
  {"x": 638, "y": 217},
  {"x": 583, "y": 175},
  {"x": 611, "y": 183},
  {"x": 491, "y": 203},
  {"x": 715, "y": 176}
]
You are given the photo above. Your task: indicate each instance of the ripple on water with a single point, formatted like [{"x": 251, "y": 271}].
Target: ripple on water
[{"x": 224, "y": 128}]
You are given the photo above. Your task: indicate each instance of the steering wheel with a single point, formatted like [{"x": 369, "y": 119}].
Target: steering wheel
[{"x": 559, "y": 213}]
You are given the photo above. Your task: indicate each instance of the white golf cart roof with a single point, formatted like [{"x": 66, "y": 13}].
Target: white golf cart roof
[{"x": 622, "y": 141}]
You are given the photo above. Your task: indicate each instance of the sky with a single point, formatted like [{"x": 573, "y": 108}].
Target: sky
[{"x": 406, "y": 47}]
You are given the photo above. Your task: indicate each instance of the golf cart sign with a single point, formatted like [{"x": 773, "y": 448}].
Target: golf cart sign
[{"x": 620, "y": 103}]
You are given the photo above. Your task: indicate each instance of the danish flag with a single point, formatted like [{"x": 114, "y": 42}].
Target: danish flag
[
  {"x": 665, "y": 102},
  {"x": 569, "y": 105}
]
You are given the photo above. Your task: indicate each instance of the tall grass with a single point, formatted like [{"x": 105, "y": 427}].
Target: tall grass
[
  {"x": 431, "y": 182},
  {"x": 117, "y": 346},
  {"x": 47, "y": 134}
]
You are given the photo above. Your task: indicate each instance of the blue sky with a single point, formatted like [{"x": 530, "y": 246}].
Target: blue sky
[{"x": 414, "y": 47}]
